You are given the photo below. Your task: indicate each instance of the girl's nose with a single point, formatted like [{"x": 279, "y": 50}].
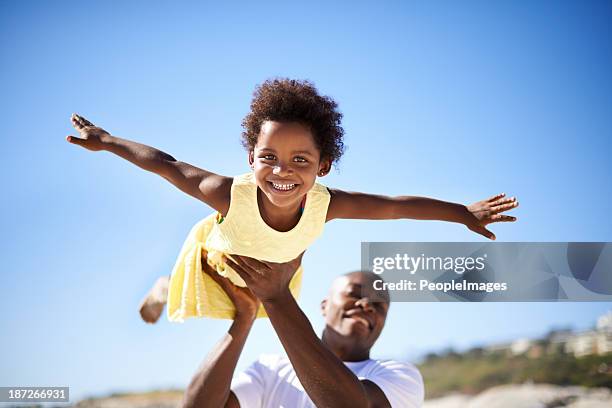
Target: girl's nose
[{"x": 281, "y": 170}]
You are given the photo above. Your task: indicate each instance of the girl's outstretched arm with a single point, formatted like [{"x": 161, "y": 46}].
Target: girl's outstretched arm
[
  {"x": 476, "y": 216},
  {"x": 206, "y": 186}
]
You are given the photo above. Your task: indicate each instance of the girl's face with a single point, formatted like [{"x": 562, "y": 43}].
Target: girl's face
[{"x": 286, "y": 162}]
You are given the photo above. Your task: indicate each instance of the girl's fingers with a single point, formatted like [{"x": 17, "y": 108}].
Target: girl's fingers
[
  {"x": 504, "y": 201},
  {"x": 504, "y": 207},
  {"x": 75, "y": 140},
  {"x": 485, "y": 232},
  {"x": 85, "y": 121},
  {"x": 80, "y": 122},
  {"x": 75, "y": 122},
  {"x": 496, "y": 197},
  {"x": 502, "y": 218}
]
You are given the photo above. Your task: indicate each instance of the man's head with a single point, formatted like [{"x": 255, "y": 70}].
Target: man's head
[{"x": 355, "y": 314}]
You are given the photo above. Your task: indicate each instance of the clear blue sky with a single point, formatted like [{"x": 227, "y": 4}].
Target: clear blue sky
[{"x": 454, "y": 101}]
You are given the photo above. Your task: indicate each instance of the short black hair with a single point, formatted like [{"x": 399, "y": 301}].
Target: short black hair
[
  {"x": 290, "y": 100},
  {"x": 380, "y": 294}
]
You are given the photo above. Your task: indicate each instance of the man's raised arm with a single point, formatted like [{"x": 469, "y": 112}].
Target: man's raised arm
[
  {"x": 210, "y": 386},
  {"x": 327, "y": 381}
]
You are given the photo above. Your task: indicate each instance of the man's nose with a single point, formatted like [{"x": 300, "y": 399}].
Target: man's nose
[
  {"x": 365, "y": 303},
  {"x": 281, "y": 170}
]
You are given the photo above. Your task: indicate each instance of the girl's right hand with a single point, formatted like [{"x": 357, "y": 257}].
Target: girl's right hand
[
  {"x": 92, "y": 137},
  {"x": 244, "y": 301}
]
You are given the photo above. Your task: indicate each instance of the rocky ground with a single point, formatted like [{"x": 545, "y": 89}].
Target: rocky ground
[
  {"x": 505, "y": 396},
  {"x": 528, "y": 396},
  {"x": 161, "y": 399}
]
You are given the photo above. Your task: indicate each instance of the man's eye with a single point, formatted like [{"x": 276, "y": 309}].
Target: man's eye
[{"x": 381, "y": 307}]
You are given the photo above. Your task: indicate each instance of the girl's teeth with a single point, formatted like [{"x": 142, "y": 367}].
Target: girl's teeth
[{"x": 284, "y": 187}]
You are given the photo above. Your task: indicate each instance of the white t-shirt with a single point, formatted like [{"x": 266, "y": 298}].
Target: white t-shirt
[{"x": 271, "y": 382}]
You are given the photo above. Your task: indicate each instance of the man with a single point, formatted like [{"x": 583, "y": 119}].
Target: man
[{"x": 334, "y": 371}]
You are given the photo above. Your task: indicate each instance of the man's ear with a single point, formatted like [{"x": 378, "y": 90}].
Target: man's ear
[
  {"x": 324, "y": 167},
  {"x": 251, "y": 158},
  {"x": 323, "y": 306}
]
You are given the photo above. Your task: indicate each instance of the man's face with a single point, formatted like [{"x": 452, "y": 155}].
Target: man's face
[
  {"x": 354, "y": 310},
  {"x": 286, "y": 162}
]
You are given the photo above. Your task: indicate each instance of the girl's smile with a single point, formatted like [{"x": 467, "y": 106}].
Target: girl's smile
[{"x": 284, "y": 187}]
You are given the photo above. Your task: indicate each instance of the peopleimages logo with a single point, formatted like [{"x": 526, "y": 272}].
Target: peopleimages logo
[
  {"x": 414, "y": 264},
  {"x": 491, "y": 271}
]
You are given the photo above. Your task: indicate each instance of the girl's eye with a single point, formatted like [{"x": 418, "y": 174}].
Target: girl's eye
[
  {"x": 268, "y": 157},
  {"x": 300, "y": 159}
]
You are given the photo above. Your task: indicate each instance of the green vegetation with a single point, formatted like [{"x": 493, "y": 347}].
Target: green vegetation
[{"x": 477, "y": 370}]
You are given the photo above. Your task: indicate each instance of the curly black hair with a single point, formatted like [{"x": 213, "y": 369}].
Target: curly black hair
[{"x": 290, "y": 100}]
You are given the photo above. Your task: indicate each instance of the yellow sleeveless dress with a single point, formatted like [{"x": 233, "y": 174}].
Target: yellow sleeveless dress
[{"x": 192, "y": 293}]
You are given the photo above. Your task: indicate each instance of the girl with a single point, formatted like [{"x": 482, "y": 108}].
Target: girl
[{"x": 292, "y": 135}]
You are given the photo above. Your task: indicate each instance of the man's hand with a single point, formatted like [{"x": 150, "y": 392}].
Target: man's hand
[
  {"x": 489, "y": 211},
  {"x": 267, "y": 280},
  {"x": 92, "y": 137},
  {"x": 210, "y": 386},
  {"x": 244, "y": 301}
]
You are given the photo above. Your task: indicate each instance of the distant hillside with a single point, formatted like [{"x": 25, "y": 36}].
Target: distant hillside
[{"x": 476, "y": 370}]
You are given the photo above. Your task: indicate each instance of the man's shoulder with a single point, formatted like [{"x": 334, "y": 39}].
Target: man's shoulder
[
  {"x": 401, "y": 382},
  {"x": 393, "y": 366}
]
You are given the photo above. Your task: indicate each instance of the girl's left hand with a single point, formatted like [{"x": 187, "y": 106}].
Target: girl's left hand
[
  {"x": 489, "y": 211},
  {"x": 267, "y": 280}
]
